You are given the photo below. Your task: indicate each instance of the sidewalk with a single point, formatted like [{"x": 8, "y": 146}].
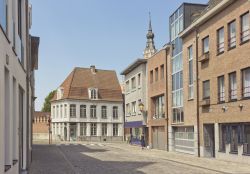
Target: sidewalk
[{"x": 205, "y": 163}]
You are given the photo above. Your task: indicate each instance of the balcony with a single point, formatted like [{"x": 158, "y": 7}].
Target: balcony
[
  {"x": 204, "y": 57},
  {"x": 205, "y": 102}
]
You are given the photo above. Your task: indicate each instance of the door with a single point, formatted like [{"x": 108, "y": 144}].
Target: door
[
  {"x": 65, "y": 134},
  {"x": 159, "y": 138},
  {"x": 73, "y": 132},
  {"x": 209, "y": 146}
]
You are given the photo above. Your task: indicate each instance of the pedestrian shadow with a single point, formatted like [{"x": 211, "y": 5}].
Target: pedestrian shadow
[{"x": 83, "y": 163}]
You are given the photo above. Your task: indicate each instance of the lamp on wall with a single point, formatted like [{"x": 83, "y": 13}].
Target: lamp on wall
[
  {"x": 241, "y": 106},
  {"x": 141, "y": 106}
]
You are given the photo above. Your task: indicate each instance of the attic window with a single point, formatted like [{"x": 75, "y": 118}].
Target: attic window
[
  {"x": 60, "y": 93},
  {"x": 93, "y": 93}
]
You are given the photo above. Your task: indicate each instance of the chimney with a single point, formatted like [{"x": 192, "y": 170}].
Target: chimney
[{"x": 92, "y": 68}]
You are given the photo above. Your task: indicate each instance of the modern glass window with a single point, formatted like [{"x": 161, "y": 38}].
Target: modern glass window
[
  {"x": 83, "y": 111},
  {"x": 206, "y": 89},
  {"x": 133, "y": 108},
  {"x": 115, "y": 112},
  {"x": 156, "y": 74},
  {"x": 3, "y": 15},
  {"x": 139, "y": 80},
  {"x": 104, "y": 129},
  {"x": 221, "y": 89},
  {"x": 115, "y": 129},
  {"x": 159, "y": 107},
  {"x": 191, "y": 73},
  {"x": 93, "y": 111},
  {"x": 133, "y": 83},
  {"x": 205, "y": 45},
  {"x": 93, "y": 129},
  {"x": 220, "y": 40},
  {"x": 245, "y": 27},
  {"x": 104, "y": 112},
  {"x": 162, "y": 71},
  {"x": 128, "y": 112},
  {"x": 151, "y": 76},
  {"x": 65, "y": 111},
  {"x": 232, "y": 34},
  {"x": 83, "y": 129},
  {"x": 72, "y": 110},
  {"x": 232, "y": 86},
  {"x": 246, "y": 82}
]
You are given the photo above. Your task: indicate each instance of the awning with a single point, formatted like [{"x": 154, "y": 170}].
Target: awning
[{"x": 133, "y": 124}]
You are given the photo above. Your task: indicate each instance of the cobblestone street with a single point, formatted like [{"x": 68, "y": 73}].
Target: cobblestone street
[{"x": 86, "y": 158}]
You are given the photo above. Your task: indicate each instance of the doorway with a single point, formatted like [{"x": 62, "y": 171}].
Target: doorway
[
  {"x": 209, "y": 143},
  {"x": 72, "y": 130}
]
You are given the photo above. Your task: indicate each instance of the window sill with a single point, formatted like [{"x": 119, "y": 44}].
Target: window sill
[
  {"x": 231, "y": 48},
  {"x": 191, "y": 99},
  {"x": 221, "y": 102},
  {"x": 104, "y": 118},
  {"x": 242, "y": 43},
  {"x": 245, "y": 98},
  {"x": 232, "y": 100},
  {"x": 222, "y": 151},
  {"x": 7, "y": 167},
  {"x": 246, "y": 154},
  {"x": 234, "y": 153},
  {"x": 220, "y": 53},
  {"x": 14, "y": 162}
]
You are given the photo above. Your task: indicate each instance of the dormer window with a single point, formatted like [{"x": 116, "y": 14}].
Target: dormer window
[
  {"x": 93, "y": 93},
  {"x": 60, "y": 93}
]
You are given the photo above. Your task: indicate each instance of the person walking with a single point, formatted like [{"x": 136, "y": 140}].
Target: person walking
[{"x": 142, "y": 141}]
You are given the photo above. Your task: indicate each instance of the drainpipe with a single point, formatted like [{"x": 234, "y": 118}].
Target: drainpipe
[
  {"x": 197, "y": 89},
  {"x": 167, "y": 115}
]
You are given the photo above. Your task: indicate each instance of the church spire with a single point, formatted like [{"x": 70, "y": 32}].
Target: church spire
[{"x": 150, "y": 47}]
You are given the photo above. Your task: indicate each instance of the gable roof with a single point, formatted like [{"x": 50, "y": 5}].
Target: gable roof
[{"x": 76, "y": 85}]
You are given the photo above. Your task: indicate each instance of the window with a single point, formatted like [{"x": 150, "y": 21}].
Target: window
[
  {"x": 205, "y": 43},
  {"x": 178, "y": 115},
  {"x": 53, "y": 112},
  {"x": 83, "y": 129},
  {"x": 206, "y": 89},
  {"x": 221, "y": 89},
  {"x": 128, "y": 112},
  {"x": 232, "y": 34},
  {"x": 220, "y": 40},
  {"x": 133, "y": 83},
  {"x": 93, "y": 129},
  {"x": 3, "y": 15},
  {"x": 246, "y": 138},
  {"x": 61, "y": 111},
  {"x": 139, "y": 79},
  {"x": 234, "y": 139},
  {"x": 104, "y": 129},
  {"x": 20, "y": 18},
  {"x": 162, "y": 71},
  {"x": 156, "y": 74},
  {"x": 115, "y": 129},
  {"x": 115, "y": 112},
  {"x": 93, "y": 111},
  {"x": 65, "y": 111},
  {"x": 133, "y": 108},
  {"x": 232, "y": 86},
  {"x": 246, "y": 82},
  {"x": 104, "y": 111},
  {"x": 72, "y": 111},
  {"x": 190, "y": 75},
  {"x": 151, "y": 76},
  {"x": 245, "y": 27},
  {"x": 159, "y": 107},
  {"x": 57, "y": 111},
  {"x": 93, "y": 93},
  {"x": 83, "y": 113},
  {"x": 127, "y": 86}
]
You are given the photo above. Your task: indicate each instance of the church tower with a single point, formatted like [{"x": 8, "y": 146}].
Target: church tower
[{"x": 150, "y": 46}]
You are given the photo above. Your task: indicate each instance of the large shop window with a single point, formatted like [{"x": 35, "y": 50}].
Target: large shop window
[{"x": 246, "y": 83}]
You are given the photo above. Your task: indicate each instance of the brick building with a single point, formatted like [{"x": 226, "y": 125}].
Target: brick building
[{"x": 219, "y": 40}]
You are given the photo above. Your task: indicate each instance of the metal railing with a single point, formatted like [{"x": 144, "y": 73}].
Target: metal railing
[
  {"x": 245, "y": 35},
  {"x": 220, "y": 47},
  {"x": 246, "y": 91},
  {"x": 232, "y": 42},
  {"x": 233, "y": 94}
]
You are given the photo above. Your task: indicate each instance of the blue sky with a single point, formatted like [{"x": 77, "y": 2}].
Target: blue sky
[{"x": 107, "y": 33}]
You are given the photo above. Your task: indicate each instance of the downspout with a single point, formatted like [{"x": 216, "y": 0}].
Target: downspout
[
  {"x": 197, "y": 88},
  {"x": 166, "y": 96}
]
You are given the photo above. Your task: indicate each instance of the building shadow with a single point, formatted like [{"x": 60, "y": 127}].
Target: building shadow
[{"x": 67, "y": 159}]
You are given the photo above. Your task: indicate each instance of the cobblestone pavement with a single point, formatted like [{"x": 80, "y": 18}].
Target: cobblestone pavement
[{"x": 88, "y": 158}]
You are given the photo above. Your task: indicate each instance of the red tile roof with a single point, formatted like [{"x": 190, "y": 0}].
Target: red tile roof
[{"x": 76, "y": 85}]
